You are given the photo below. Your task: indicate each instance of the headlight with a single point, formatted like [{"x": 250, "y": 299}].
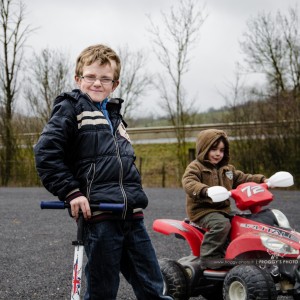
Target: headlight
[
  {"x": 281, "y": 218},
  {"x": 277, "y": 246}
]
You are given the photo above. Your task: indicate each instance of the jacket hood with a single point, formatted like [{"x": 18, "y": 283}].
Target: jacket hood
[
  {"x": 206, "y": 139},
  {"x": 74, "y": 95}
]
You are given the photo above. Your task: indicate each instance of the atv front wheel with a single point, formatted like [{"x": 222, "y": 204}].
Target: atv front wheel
[
  {"x": 175, "y": 279},
  {"x": 245, "y": 282}
]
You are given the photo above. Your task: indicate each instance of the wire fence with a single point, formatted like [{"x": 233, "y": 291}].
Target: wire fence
[
  {"x": 164, "y": 175},
  {"x": 24, "y": 174}
]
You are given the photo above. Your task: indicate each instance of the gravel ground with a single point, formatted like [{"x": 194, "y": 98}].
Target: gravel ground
[{"x": 36, "y": 254}]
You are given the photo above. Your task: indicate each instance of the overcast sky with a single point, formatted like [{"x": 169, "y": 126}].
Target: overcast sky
[{"x": 71, "y": 25}]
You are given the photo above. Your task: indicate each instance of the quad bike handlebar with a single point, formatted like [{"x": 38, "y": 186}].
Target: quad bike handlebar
[{"x": 279, "y": 179}]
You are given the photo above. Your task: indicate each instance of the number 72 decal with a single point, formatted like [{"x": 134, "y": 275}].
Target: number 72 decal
[{"x": 252, "y": 190}]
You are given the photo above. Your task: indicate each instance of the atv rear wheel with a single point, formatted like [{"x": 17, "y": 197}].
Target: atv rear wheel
[
  {"x": 175, "y": 279},
  {"x": 248, "y": 282}
]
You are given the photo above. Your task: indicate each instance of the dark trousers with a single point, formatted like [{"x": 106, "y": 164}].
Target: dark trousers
[
  {"x": 214, "y": 240},
  {"x": 121, "y": 246}
]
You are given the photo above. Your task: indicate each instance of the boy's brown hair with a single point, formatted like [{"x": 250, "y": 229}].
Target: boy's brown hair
[{"x": 100, "y": 53}]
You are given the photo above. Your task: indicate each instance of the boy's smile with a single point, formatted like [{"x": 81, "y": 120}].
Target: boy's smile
[{"x": 97, "y": 90}]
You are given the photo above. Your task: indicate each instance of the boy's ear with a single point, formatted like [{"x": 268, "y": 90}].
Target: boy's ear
[
  {"x": 77, "y": 79},
  {"x": 116, "y": 83}
]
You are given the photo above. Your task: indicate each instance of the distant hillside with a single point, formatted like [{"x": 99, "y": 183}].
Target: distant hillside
[
  {"x": 208, "y": 117},
  {"x": 280, "y": 107}
]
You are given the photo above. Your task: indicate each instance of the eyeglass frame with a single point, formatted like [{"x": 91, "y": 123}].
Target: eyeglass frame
[{"x": 95, "y": 79}]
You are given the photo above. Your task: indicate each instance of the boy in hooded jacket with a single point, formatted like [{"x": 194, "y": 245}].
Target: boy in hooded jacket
[
  {"x": 211, "y": 168},
  {"x": 84, "y": 156}
]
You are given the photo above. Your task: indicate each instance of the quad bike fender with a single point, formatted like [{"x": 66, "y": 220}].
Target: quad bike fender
[
  {"x": 191, "y": 234},
  {"x": 244, "y": 243}
]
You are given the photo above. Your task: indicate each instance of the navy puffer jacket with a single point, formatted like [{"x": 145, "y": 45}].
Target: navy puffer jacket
[{"x": 78, "y": 150}]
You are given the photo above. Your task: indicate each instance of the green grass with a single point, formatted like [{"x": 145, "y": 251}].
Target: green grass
[{"x": 158, "y": 164}]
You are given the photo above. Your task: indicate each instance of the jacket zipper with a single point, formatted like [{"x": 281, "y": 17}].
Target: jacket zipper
[
  {"x": 121, "y": 176},
  {"x": 114, "y": 135},
  {"x": 89, "y": 180}
]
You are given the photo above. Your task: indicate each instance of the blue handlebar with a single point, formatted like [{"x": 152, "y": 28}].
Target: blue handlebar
[
  {"x": 53, "y": 205},
  {"x": 108, "y": 206},
  {"x": 116, "y": 207}
]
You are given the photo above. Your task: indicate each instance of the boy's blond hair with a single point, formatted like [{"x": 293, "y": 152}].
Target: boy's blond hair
[{"x": 100, "y": 53}]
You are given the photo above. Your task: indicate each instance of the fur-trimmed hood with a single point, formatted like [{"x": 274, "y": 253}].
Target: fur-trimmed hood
[{"x": 206, "y": 139}]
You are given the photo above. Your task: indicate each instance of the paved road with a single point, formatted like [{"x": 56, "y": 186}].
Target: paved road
[{"x": 36, "y": 254}]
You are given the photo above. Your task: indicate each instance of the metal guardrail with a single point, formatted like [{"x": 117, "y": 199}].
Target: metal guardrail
[
  {"x": 168, "y": 133},
  {"x": 198, "y": 127}
]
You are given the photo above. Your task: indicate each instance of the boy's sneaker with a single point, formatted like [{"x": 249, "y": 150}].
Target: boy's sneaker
[{"x": 212, "y": 263}]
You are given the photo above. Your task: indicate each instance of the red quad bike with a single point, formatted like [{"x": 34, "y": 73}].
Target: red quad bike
[{"x": 262, "y": 259}]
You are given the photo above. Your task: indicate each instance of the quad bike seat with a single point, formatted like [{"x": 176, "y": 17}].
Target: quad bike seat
[
  {"x": 265, "y": 216},
  {"x": 201, "y": 229}
]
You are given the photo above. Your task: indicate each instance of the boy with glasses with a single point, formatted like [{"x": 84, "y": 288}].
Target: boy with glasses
[{"x": 84, "y": 156}]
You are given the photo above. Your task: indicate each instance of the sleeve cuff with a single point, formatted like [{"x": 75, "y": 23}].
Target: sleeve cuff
[
  {"x": 73, "y": 195},
  {"x": 203, "y": 193}
]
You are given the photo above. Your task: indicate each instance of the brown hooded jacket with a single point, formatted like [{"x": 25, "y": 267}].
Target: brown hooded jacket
[{"x": 201, "y": 174}]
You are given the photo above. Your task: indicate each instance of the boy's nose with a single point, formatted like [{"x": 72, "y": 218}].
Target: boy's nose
[{"x": 97, "y": 81}]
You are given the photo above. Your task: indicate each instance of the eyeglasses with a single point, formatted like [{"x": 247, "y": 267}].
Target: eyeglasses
[{"x": 92, "y": 79}]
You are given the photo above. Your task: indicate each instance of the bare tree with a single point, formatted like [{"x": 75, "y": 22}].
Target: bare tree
[
  {"x": 173, "y": 43},
  {"x": 13, "y": 36},
  {"x": 135, "y": 80},
  {"x": 242, "y": 107},
  {"x": 48, "y": 75},
  {"x": 271, "y": 46}
]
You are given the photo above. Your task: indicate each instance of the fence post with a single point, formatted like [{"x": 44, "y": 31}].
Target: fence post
[
  {"x": 163, "y": 171},
  {"x": 192, "y": 154},
  {"x": 140, "y": 165}
]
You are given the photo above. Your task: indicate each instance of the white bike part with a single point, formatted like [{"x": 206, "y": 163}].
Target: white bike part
[
  {"x": 218, "y": 193},
  {"x": 281, "y": 179},
  {"x": 77, "y": 271}
]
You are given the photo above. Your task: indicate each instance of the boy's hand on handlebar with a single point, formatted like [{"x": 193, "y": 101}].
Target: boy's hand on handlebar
[{"x": 83, "y": 204}]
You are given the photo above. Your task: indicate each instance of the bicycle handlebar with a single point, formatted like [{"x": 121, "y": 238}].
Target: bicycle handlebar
[{"x": 101, "y": 206}]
